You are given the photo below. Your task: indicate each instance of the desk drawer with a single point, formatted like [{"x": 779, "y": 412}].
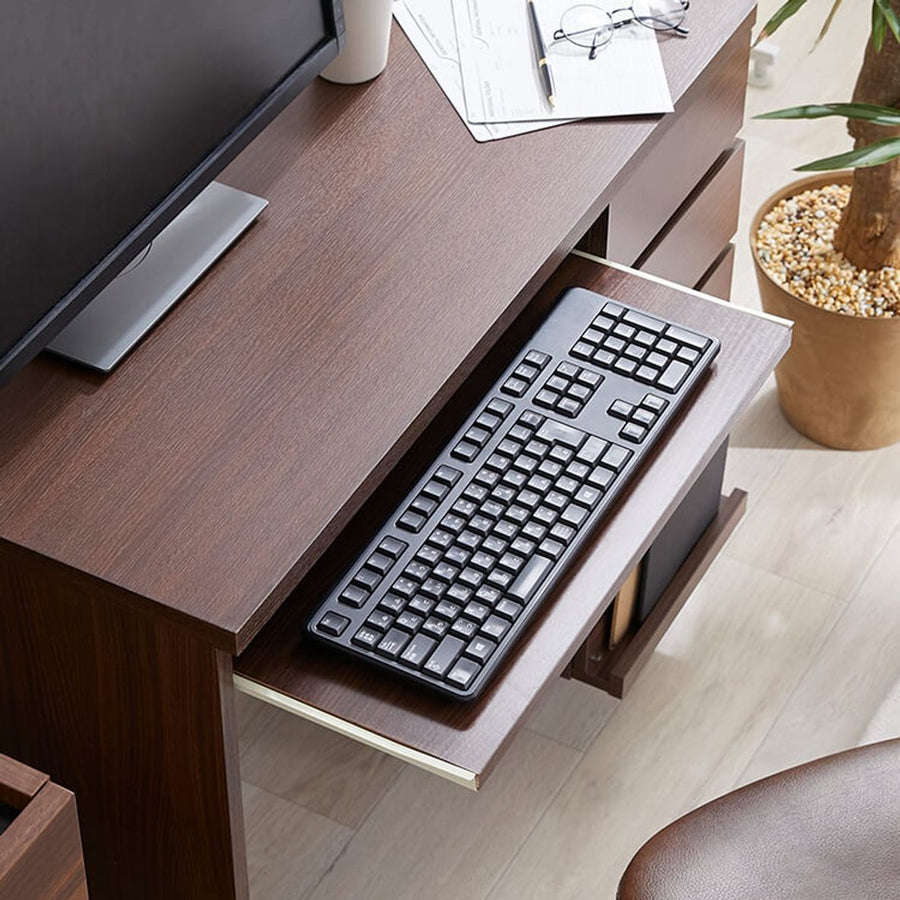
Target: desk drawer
[
  {"x": 709, "y": 116},
  {"x": 696, "y": 235},
  {"x": 463, "y": 741},
  {"x": 716, "y": 281}
]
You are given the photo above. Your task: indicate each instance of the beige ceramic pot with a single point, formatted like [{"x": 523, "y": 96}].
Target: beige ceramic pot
[{"x": 839, "y": 383}]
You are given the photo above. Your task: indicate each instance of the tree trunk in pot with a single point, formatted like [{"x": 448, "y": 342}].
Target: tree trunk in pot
[
  {"x": 839, "y": 384},
  {"x": 869, "y": 233}
]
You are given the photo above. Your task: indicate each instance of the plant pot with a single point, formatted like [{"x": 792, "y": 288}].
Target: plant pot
[{"x": 839, "y": 383}]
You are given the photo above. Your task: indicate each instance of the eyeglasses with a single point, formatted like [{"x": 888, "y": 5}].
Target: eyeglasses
[{"x": 591, "y": 27}]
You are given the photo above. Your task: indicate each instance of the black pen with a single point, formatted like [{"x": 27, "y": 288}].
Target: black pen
[{"x": 540, "y": 52}]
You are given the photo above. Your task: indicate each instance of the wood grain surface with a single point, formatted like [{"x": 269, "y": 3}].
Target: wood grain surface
[
  {"x": 208, "y": 473},
  {"x": 40, "y": 852},
  {"x": 135, "y": 718},
  {"x": 686, "y": 146},
  {"x": 18, "y": 783},
  {"x": 473, "y": 735},
  {"x": 716, "y": 281},
  {"x": 694, "y": 240}
]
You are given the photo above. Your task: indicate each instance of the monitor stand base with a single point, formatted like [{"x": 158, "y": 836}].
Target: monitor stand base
[{"x": 118, "y": 317}]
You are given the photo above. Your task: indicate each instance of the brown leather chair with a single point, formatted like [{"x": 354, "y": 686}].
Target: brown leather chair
[{"x": 826, "y": 830}]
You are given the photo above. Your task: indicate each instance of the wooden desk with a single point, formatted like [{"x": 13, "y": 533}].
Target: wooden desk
[{"x": 155, "y": 520}]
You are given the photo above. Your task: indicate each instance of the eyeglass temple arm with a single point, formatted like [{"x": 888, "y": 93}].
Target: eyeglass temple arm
[
  {"x": 678, "y": 29},
  {"x": 560, "y": 35}
]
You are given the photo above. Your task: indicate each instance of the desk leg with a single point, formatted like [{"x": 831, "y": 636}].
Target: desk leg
[{"x": 137, "y": 719}]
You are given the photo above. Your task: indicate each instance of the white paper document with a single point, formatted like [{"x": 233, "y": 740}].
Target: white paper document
[
  {"x": 429, "y": 26},
  {"x": 500, "y": 75}
]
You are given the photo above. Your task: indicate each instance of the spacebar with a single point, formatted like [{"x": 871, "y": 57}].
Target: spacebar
[{"x": 530, "y": 578}]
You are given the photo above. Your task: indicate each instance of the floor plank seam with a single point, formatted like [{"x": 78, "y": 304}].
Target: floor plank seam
[
  {"x": 315, "y": 887},
  {"x": 558, "y": 741},
  {"x": 786, "y": 578},
  {"x": 307, "y": 809},
  {"x": 501, "y": 874},
  {"x": 356, "y": 830},
  {"x": 784, "y": 706}
]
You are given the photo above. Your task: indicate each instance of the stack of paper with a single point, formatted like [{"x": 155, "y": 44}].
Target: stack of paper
[{"x": 481, "y": 53}]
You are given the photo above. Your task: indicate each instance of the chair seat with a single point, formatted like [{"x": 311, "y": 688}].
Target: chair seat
[{"x": 826, "y": 830}]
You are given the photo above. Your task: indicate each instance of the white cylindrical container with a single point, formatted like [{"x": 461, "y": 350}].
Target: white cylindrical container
[{"x": 368, "y": 33}]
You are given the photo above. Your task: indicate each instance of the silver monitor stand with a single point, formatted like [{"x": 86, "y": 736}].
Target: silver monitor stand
[{"x": 118, "y": 317}]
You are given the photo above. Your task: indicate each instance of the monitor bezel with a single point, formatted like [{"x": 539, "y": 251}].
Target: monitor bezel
[{"x": 94, "y": 281}]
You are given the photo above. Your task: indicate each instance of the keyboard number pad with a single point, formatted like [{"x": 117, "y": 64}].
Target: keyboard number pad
[
  {"x": 568, "y": 389},
  {"x": 640, "y": 346}
]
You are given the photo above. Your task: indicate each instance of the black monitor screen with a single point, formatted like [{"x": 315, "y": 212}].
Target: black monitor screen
[{"x": 106, "y": 106}]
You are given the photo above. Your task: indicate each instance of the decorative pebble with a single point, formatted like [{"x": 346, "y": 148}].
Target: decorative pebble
[{"x": 795, "y": 245}]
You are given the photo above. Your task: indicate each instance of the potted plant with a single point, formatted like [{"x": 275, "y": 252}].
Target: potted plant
[{"x": 832, "y": 264}]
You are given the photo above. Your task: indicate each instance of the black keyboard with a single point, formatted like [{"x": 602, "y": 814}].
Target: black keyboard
[{"x": 449, "y": 583}]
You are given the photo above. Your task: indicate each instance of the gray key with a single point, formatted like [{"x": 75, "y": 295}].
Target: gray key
[
  {"x": 530, "y": 578},
  {"x": 464, "y": 628},
  {"x": 392, "y": 643},
  {"x": 672, "y": 377},
  {"x": 574, "y": 514},
  {"x": 353, "y": 595},
  {"x": 380, "y": 562},
  {"x": 686, "y": 337},
  {"x": 495, "y": 627},
  {"x": 440, "y": 661},
  {"x": 592, "y": 450},
  {"x": 642, "y": 321},
  {"x": 417, "y": 651},
  {"x": 616, "y": 457},
  {"x": 481, "y": 648},
  {"x": 332, "y": 623},
  {"x": 366, "y": 637},
  {"x": 552, "y": 431},
  {"x": 463, "y": 673}
]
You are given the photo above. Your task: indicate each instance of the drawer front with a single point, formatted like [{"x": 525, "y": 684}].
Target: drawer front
[
  {"x": 716, "y": 281},
  {"x": 708, "y": 118},
  {"x": 696, "y": 235}
]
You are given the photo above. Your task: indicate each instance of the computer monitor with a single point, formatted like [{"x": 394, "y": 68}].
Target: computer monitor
[{"x": 115, "y": 116}]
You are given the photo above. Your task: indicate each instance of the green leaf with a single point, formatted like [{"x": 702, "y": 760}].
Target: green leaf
[
  {"x": 879, "y": 27},
  {"x": 783, "y": 13},
  {"x": 889, "y": 17},
  {"x": 829, "y": 20},
  {"x": 870, "y": 155},
  {"x": 878, "y": 115}
]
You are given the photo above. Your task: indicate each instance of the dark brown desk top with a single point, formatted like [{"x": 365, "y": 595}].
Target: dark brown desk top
[{"x": 211, "y": 469}]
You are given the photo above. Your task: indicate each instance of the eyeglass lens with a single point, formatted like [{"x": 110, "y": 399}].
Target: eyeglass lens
[{"x": 590, "y": 26}]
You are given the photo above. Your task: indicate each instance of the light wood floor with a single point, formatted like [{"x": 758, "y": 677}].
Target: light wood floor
[{"x": 789, "y": 649}]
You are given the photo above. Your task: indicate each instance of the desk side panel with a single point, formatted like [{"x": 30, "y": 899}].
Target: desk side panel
[{"x": 136, "y": 719}]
